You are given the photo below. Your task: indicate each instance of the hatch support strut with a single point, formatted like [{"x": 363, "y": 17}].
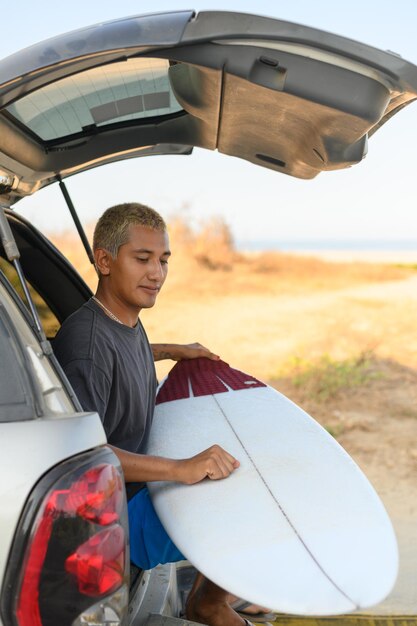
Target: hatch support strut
[{"x": 77, "y": 222}]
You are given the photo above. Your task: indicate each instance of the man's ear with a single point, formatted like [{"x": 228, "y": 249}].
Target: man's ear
[{"x": 102, "y": 261}]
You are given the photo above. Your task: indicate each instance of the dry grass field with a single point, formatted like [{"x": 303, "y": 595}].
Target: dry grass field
[{"x": 338, "y": 338}]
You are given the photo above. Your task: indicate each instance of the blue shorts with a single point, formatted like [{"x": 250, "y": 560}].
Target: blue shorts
[{"x": 149, "y": 542}]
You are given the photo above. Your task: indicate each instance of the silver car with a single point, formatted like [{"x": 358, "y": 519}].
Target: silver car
[{"x": 290, "y": 98}]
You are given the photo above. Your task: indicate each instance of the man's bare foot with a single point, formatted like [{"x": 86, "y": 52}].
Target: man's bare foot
[
  {"x": 251, "y": 611},
  {"x": 207, "y": 604},
  {"x": 245, "y": 607}
]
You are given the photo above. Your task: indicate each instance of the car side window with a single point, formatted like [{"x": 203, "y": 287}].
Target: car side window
[
  {"x": 16, "y": 397},
  {"x": 49, "y": 321}
]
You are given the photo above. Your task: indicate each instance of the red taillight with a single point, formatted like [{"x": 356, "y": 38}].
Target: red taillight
[
  {"x": 99, "y": 563},
  {"x": 97, "y": 496},
  {"x": 77, "y": 549},
  {"x": 28, "y": 606}
]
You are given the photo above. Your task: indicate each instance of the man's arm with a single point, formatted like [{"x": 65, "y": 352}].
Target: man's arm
[
  {"x": 214, "y": 463},
  {"x": 176, "y": 351}
]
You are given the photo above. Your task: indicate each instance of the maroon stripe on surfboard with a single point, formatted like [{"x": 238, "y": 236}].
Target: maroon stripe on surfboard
[{"x": 206, "y": 377}]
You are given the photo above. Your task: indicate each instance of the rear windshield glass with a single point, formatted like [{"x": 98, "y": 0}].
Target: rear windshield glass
[{"x": 123, "y": 91}]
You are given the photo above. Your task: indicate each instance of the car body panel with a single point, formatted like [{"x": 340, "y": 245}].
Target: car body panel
[
  {"x": 284, "y": 96},
  {"x": 33, "y": 444},
  {"x": 32, "y": 448}
]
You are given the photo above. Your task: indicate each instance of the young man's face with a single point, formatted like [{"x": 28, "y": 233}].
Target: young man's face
[{"x": 140, "y": 269}]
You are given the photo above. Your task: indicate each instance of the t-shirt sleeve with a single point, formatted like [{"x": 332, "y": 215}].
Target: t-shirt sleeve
[{"x": 90, "y": 384}]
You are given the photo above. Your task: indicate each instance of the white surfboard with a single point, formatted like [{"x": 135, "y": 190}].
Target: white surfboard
[{"x": 298, "y": 527}]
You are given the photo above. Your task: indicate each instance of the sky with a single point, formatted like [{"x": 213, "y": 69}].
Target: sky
[{"x": 374, "y": 200}]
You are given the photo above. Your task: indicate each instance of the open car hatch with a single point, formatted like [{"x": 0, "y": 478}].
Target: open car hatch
[{"x": 283, "y": 96}]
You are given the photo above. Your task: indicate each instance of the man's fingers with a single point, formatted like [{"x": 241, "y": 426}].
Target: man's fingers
[
  {"x": 220, "y": 463},
  {"x": 230, "y": 458},
  {"x": 212, "y": 356},
  {"x": 197, "y": 350},
  {"x": 218, "y": 469},
  {"x": 214, "y": 463}
]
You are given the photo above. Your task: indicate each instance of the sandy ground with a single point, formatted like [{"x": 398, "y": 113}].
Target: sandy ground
[{"x": 260, "y": 311}]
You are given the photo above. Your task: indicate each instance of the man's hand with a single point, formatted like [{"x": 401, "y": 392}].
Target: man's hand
[
  {"x": 177, "y": 352},
  {"x": 213, "y": 463}
]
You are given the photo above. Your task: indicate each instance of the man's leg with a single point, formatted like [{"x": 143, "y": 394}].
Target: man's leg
[{"x": 149, "y": 543}]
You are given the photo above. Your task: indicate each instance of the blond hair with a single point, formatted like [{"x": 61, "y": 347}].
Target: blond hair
[{"x": 112, "y": 229}]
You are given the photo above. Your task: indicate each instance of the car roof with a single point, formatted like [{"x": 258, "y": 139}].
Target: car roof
[{"x": 284, "y": 96}]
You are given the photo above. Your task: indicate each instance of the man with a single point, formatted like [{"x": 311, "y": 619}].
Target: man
[{"x": 105, "y": 353}]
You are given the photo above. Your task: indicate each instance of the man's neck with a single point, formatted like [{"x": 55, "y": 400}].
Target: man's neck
[{"x": 116, "y": 310}]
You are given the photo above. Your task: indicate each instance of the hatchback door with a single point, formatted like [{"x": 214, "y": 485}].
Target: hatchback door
[{"x": 284, "y": 96}]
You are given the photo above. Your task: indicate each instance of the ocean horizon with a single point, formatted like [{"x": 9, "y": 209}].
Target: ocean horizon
[{"x": 323, "y": 245}]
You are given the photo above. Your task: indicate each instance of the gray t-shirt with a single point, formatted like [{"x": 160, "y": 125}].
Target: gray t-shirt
[{"x": 110, "y": 367}]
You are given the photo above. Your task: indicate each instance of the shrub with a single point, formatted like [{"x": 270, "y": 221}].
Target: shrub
[{"x": 325, "y": 377}]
